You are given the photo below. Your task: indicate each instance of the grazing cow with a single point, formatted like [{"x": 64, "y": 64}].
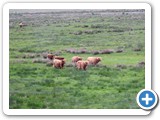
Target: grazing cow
[
  {"x": 81, "y": 65},
  {"x": 94, "y": 60},
  {"x": 50, "y": 56},
  {"x": 58, "y": 57},
  {"x": 75, "y": 59},
  {"x": 58, "y": 63}
]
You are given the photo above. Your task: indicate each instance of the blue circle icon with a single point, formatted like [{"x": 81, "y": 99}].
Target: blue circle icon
[{"x": 147, "y": 99}]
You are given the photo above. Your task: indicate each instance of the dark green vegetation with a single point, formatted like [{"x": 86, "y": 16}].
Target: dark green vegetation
[{"x": 113, "y": 84}]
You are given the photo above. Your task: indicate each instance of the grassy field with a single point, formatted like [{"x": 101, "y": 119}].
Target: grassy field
[{"x": 112, "y": 84}]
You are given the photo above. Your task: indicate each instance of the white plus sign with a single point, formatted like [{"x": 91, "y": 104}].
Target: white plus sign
[{"x": 147, "y": 99}]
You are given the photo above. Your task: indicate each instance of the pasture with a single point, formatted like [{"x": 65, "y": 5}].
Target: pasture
[{"x": 112, "y": 84}]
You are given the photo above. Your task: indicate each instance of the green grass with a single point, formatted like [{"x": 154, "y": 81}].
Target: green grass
[
  {"x": 46, "y": 87},
  {"x": 37, "y": 86}
]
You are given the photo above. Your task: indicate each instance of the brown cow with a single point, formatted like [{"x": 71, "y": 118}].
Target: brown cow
[
  {"x": 58, "y": 63},
  {"x": 51, "y": 57},
  {"x": 75, "y": 59},
  {"x": 58, "y": 57},
  {"x": 94, "y": 60},
  {"x": 81, "y": 65}
]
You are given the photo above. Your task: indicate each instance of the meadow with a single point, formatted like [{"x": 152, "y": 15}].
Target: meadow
[{"x": 112, "y": 84}]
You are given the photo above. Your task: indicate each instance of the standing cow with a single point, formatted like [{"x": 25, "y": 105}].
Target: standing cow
[
  {"x": 58, "y": 57},
  {"x": 94, "y": 60},
  {"x": 58, "y": 63},
  {"x": 51, "y": 57},
  {"x": 75, "y": 59},
  {"x": 82, "y": 65}
]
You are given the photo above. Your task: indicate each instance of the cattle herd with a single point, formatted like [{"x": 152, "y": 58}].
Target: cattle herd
[{"x": 58, "y": 61}]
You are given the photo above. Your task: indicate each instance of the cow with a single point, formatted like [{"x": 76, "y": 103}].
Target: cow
[
  {"x": 82, "y": 65},
  {"x": 75, "y": 59},
  {"x": 58, "y": 57},
  {"x": 94, "y": 60},
  {"x": 51, "y": 57},
  {"x": 58, "y": 63}
]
